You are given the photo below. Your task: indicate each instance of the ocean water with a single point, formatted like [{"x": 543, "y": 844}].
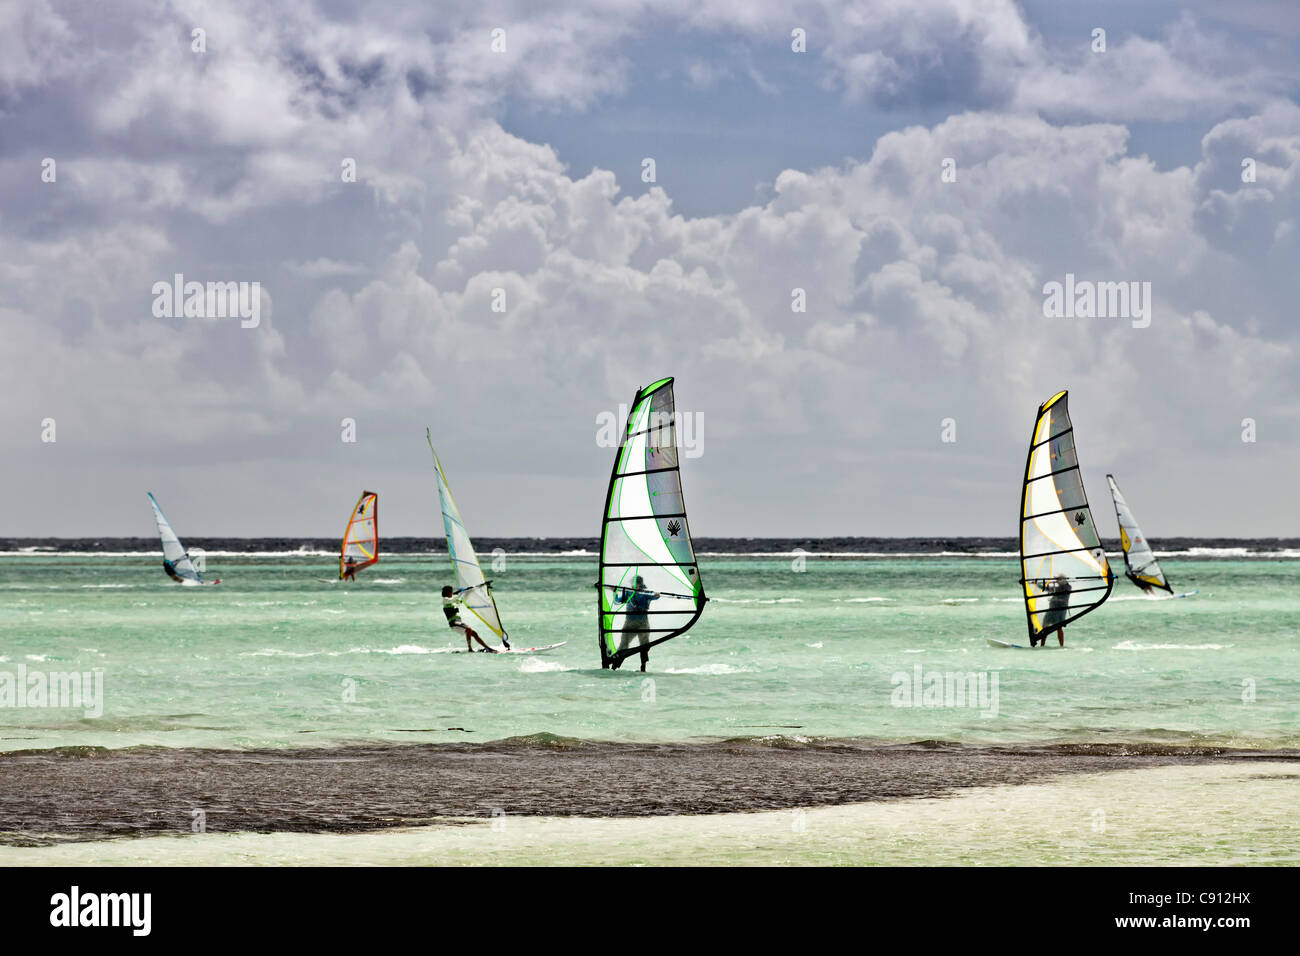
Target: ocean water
[
  {"x": 275, "y": 658},
  {"x": 805, "y": 719}
]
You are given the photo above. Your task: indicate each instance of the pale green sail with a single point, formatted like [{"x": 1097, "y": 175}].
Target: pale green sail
[
  {"x": 477, "y": 590},
  {"x": 649, "y": 588}
]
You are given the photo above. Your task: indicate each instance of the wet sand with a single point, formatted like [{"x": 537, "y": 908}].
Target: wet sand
[{"x": 79, "y": 794}]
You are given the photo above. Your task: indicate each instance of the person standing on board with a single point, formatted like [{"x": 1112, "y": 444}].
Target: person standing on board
[
  {"x": 1059, "y": 588},
  {"x": 451, "y": 607},
  {"x": 636, "y": 622},
  {"x": 350, "y": 569},
  {"x": 171, "y": 571}
]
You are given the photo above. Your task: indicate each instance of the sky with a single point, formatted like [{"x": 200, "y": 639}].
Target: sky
[{"x": 922, "y": 170}]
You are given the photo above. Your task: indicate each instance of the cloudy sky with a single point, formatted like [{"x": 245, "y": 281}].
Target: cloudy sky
[{"x": 522, "y": 170}]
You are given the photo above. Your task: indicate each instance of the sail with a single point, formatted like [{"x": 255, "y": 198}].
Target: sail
[
  {"x": 361, "y": 539},
  {"x": 478, "y": 599},
  {"x": 1139, "y": 560},
  {"x": 1063, "y": 565},
  {"x": 644, "y": 536},
  {"x": 173, "y": 550}
]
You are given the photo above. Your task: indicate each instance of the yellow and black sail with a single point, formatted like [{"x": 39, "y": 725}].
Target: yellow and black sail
[
  {"x": 1140, "y": 563},
  {"x": 1063, "y": 567}
]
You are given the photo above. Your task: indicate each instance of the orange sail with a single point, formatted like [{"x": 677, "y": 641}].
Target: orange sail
[{"x": 361, "y": 540}]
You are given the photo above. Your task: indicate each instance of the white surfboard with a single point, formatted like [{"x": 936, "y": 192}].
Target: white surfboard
[
  {"x": 1020, "y": 647},
  {"x": 541, "y": 649},
  {"x": 1169, "y": 597}
]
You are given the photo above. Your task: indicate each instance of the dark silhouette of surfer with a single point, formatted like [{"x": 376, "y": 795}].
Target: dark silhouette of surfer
[{"x": 1057, "y": 611}]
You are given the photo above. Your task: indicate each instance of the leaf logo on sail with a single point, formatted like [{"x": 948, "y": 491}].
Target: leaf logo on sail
[
  {"x": 1080, "y": 518},
  {"x": 674, "y": 526}
]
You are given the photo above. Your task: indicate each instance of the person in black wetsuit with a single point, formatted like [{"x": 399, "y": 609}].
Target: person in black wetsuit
[
  {"x": 171, "y": 571},
  {"x": 451, "y": 608},
  {"x": 636, "y": 622},
  {"x": 1057, "y": 610}
]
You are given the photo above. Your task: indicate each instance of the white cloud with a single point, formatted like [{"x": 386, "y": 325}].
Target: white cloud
[{"x": 924, "y": 297}]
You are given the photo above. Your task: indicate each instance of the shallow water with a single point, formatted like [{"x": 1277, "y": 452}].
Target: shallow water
[{"x": 275, "y": 658}]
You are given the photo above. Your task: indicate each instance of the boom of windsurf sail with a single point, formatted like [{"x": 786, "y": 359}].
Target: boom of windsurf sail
[
  {"x": 361, "y": 539},
  {"x": 1139, "y": 560},
  {"x": 649, "y": 588},
  {"x": 469, "y": 574},
  {"x": 1063, "y": 566},
  {"x": 174, "y": 552}
]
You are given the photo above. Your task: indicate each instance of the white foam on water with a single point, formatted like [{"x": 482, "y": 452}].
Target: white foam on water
[
  {"x": 1136, "y": 646},
  {"x": 787, "y": 600},
  {"x": 818, "y": 644},
  {"x": 539, "y": 665},
  {"x": 400, "y": 649},
  {"x": 870, "y": 600},
  {"x": 388, "y": 580},
  {"x": 706, "y": 669},
  {"x": 960, "y": 600},
  {"x": 276, "y": 652}
]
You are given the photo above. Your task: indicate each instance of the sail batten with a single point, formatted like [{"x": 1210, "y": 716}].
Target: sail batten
[
  {"x": 1140, "y": 565},
  {"x": 1060, "y": 550},
  {"x": 361, "y": 538},
  {"x": 470, "y": 581},
  {"x": 649, "y": 589},
  {"x": 173, "y": 551}
]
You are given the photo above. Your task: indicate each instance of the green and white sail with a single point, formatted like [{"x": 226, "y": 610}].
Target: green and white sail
[
  {"x": 477, "y": 590},
  {"x": 1063, "y": 566},
  {"x": 173, "y": 551},
  {"x": 1139, "y": 560},
  {"x": 645, "y": 535}
]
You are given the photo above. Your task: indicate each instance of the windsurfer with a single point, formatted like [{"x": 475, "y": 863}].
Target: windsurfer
[
  {"x": 171, "y": 571},
  {"x": 350, "y": 569},
  {"x": 1059, "y": 588},
  {"x": 451, "y": 607},
  {"x": 636, "y": 621}
]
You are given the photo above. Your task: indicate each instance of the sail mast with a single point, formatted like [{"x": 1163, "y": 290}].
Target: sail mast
[
  {"x": 361, "y": 538},
  {"x": 470, "y": 581},
  {"x": 1063, "y": 567},
  {"x": 1140, "y": 563},
  {"x": 649, "y": 589},
  {"x": 173, "y": 550}
]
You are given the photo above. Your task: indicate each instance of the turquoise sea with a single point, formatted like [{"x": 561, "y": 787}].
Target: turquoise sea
[{"x": 274, "y": 659}]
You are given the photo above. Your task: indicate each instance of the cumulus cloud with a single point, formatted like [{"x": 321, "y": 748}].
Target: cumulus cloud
[{"x": 924, "y": 297}]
